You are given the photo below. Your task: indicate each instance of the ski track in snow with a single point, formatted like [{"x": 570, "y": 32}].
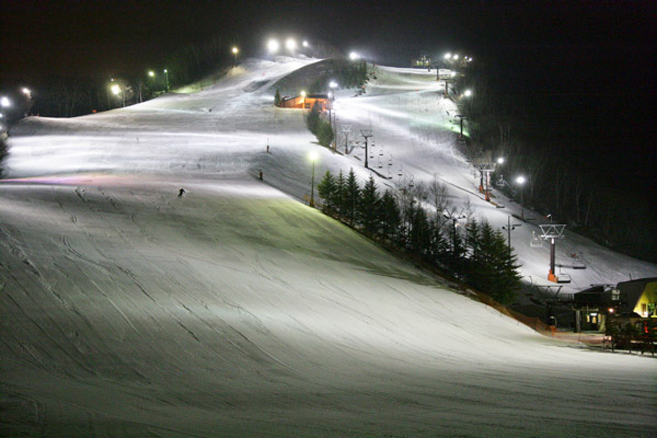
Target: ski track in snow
[{"x": 237, "y": 311}]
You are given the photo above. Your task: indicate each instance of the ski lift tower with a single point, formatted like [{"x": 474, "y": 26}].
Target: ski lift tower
[
  {"x": 552, "y": 232},
  {"x": 345, "y": 130},
  {"x": 486, "y": 165},
  {"x": 366, "y": 133}
]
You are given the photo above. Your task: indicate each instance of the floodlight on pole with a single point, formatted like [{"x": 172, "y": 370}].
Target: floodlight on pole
[
  {"x": 467, "y": 93},
  {"x": 151, "y": 73},
  {"x": 5, "y": 102},
  {"x": 235, "y": 51},
  {"x": 500, "y": 160},
  {"x": 273, "y": 46},
  {"x": 354, "y": 56},
  {"x": 305, "y": 43},
  {"x": 290, "y": 44},
  {"x": 448, "y": 56},
  {"x": 166, "y": 78}
]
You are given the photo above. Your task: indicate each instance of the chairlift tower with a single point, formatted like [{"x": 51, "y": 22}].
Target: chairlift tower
[
  {"x": 366, "y": 133},
  {"x": 345, "y": 130},
  {"x": 486, "y": 165},
  {"x": 552, "y": 233}
]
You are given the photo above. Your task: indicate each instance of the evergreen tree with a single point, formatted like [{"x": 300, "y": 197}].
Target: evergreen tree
[
  {"x": 324, "y": 133},
  {"x": 350, "y": 199},
  {"x": 389, "y": 215},
  {"x": 490, "y": 268},
  {"x": 473, "y": 252},
  {"x": 368, "y": 207},
  {"x": 420, "y": 234},
  {"x": 340, "y": 189},
  {"x": 439, "y": 245},
  {"x": 326, "y": 190},
  {"x": 277, "y": 98},
  {"x": 313, "y": 120}
]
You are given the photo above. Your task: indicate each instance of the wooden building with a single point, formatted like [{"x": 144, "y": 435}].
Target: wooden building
[
  {"x": 629, "y": 299},
  {"x": 306, "y": 102}
]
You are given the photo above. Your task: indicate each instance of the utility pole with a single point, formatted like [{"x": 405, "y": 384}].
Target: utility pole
[
  {"x": 510, "y": 227},
  {"x": 366, "y": 133}
]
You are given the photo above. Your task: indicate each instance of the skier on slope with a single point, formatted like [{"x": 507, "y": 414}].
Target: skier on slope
[{"x": 181, "y": 192}]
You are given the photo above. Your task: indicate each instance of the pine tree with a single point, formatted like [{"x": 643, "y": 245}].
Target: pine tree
[
  {"x": 473, "y": 252},
  {"x": 277, "y": 98},
  {"x": 326, "y": 190},
  {"x": 340, "y": 189},
  {"x": 389, "y": 215},
  {"x": 368, "y": 207},
  {"x": 420, "y": 234},
  {"x": 351, "y": 194},
  {"x": 324, "y": 133},
  {"x": 313, "y": 120},
  {"x": 439, "y": 245}
]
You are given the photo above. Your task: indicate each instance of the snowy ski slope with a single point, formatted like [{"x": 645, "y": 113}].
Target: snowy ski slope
[{"x": 238, "y": 311}]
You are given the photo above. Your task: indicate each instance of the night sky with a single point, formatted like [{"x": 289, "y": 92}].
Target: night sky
[{"x": 577, "y": 65}]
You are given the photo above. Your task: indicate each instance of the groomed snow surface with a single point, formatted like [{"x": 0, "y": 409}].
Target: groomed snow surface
[{"x": 238, "y": 311}]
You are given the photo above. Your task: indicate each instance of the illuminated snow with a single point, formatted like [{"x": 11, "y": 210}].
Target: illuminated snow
[{"x": 236, "y": 310}]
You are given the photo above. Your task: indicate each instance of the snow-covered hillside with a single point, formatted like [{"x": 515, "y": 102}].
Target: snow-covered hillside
[{"x": 236, "y": 310}]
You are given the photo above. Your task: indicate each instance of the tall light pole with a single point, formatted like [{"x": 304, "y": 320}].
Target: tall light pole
[
  {"x": 313, "y": 157},
  {"x": 366, "y": 133},
  {"x": 235, "y": 51},
  {"x": 332, "y": 86},
  {"x": 166, "y": 79},
  {"x": 461, "y": 116},
  {"x": 521, "y": 182},
  {"x": 116, "y": 89}
]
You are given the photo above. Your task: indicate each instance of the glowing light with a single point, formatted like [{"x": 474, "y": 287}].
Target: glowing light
[
  {"x": 467, "y": 93},
  {"x": 448, "y": 55},
  {"x": 333, "y": 84},
  {"x": 521, "y": 180},
  {"x": 456, "y": 57},
  {"x": 305, "y": 43},
  {"x": 303, "y": 93},
  {"x": 115, "y": 89},
  {"x": 235, "y": 50},
  {"x": 273, "y": 46},
  {"x": 500, "y": 160},
  {"x": 26, "y": 91},
  {"x": 353, "y": 56},
  {"x": 5, "y": 102},
  {"x": 290, "y": 44},
  {"x": 313, "y": 156},
  {"x": 151, "y": 73}
]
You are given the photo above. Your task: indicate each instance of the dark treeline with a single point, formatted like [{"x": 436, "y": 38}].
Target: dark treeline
[
  {"x": 566, "y": 176},
  {"x": 347, "y": 74},
  {"x": 475, "y": 253},
  {"x": 70, "y": 96}
]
